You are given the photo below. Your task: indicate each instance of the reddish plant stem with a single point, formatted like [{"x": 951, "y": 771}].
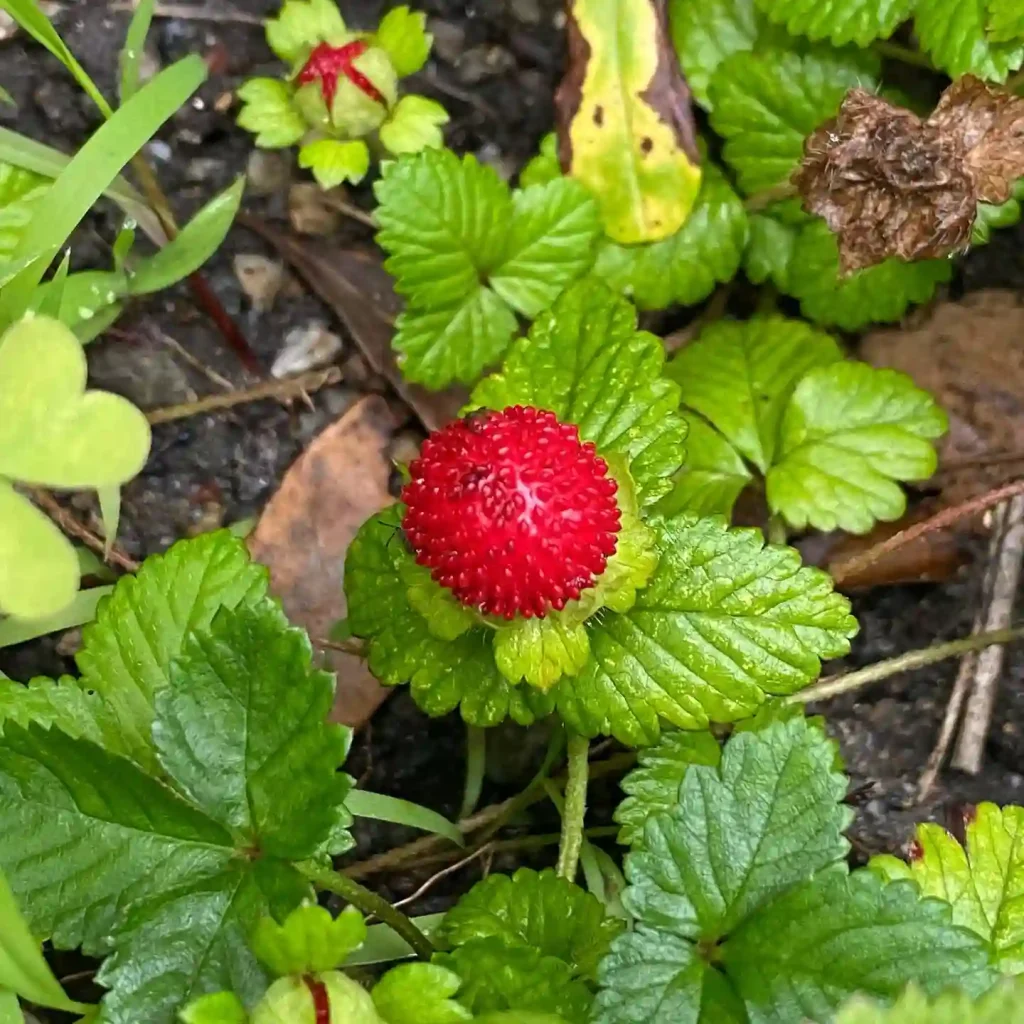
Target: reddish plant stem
[
  {"x": 207, "y": 299},
  {"x": 321, "y": 1001}
]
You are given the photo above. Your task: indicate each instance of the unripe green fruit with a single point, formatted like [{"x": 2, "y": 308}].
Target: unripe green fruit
[{"x": 290, "y": 1000}]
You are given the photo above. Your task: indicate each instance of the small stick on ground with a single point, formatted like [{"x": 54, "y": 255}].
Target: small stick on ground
[
  {"x": 1008, "y": 536},
  {"x": 187, "y": 12},
  {"x": 79, "y": 531}
]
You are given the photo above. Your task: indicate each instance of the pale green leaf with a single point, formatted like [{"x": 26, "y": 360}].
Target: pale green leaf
[
  {"x": 333, "y": 163},
  {"x": 1005, "y": 21},
  {"x": 849, "y": 435},
  {"x": 541, "y": 651},
  {"x": 1003, "y": 1004},
  {"x": 10, "y": 1008},
  {"x": 110, "y": 514},
  {"x": 309, "y": 941},
  {"x": 724, "y": 622},
  {"x": 80, "y": 611},
  {"x": 685, "y": 267},
  {"x": 454, "y": 343},
  {"x": 419, "y": 994},
  {"x": 215, "y": 1008},
  {"x": 20, "y": 193},
  {"x": 585, "y": 361},
  {"x": 840, "y": 21},
  {"x": 127, "y": 653},
  {"x": 131, "y": 54},
  {"x": 363, "y": 804},
  {"x": 242, "y": 730},
  {"x": 414, "y": 124},
  {"x": 952, "y": 32},
  {"x": 543, "y": 167},
  {"x": 301, "y": 24},
  {"x": 711, "y": 479},
  {"x": 982, "y": 880},
  {"x": 766, "y": 103},
  {"x": 269, "y": 114},
  {"x": 740, "y": 375},
  {"x": 652, "y": 787},
  {"x": 403, "y": 36},
  {"x": 551, "y": 240}
]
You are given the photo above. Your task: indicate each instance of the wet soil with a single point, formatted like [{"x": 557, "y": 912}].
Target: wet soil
[{"x": 496, "y": 65}]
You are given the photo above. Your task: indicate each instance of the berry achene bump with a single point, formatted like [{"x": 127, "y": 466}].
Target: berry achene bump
[{"x": 511, "y": 511}]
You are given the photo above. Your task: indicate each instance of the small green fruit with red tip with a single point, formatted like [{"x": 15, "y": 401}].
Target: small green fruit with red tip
[{"x": 328, "y": 998}]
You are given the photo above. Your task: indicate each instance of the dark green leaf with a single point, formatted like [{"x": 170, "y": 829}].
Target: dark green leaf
[
  {"x": 1001, "y": 1005},
  {"x": 953, "y": 34}
]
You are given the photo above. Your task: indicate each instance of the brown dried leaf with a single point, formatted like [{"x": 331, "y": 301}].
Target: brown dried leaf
[
  {"x": 889, "y": 184},
  {"x": 305, "y": 530}
]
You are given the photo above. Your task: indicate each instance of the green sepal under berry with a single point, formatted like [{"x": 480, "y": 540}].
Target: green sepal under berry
[
  {"x": 419, "y": 994},
  {"x": 301, "y": 24},
  {"x": 403, "y": 36},
  {"x": 308, "y": 941}
]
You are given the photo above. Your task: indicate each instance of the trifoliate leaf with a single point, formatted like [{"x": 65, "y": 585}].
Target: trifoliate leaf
[
  {"x": 952, "y": 32},
  {"x": 1005, "y": 21},
  {"x": 443, "y": 674},
  {"x": 983, "y": 880},
  {"x": 841, "y": 21},
  {"x": 333, "y": 163},
  {"x": 713, "y": 477},
  {"x": 268, "y": 113},
  {"x": 140, "y": 629},
  {"x": 414, "y": 124},
  {"x": 586, "y": 362},
  {"x": 653, "y": 786},
  {"x": 419, "y": 994},
  {"x": 537, "y": 911},
  {"x": 301, "y": 25},
  {"x": 498, "y": 977},
  {"x": 685, "y": 267},
  {"x": 242, "y": 730},
  {"x": 766, "y": 103},
  {"x": 309, "y": 941},
  {"x": 724, "y": 622},
  {"x": 541, "y": 651},
  {"x": 550, "y": 244},
  {"x": 740, "y": 375},
  {"x": 625, "y": 121},
  {"x": 402, "y": 35},
  {"x": 849, "y": 433},
  {"x": 20, "y": 193},
  {"x": 444, "y": 223},
  {"x": 458, "y": 342},
  {"x": 875, "y": 295},
  {"x": 1003, "y": 1004}
]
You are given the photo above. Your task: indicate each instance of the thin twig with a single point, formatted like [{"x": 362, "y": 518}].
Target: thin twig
[
  {"x": 940, "y": 521},
  {"x": 355, "y": 646},
  {"x": 846, "y": 682},
  {"x": 978, "y": 462},
  {"x": 1008, "y": 537},
  {"x": 186, "y": 12},
  {"x": 293, "y": 387},
  {"x": 443, "y": 873},
  {"x": 73, "y": 528},
  {"x": 904, "y": 54},
  {"x": 339, "y": 204},
  {"x": 196, "y": 364}
]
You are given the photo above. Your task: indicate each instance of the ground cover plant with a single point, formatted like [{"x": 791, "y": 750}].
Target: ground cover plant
[{"x": 561, "y": 553}]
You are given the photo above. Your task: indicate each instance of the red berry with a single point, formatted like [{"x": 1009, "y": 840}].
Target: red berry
[
  {"x": 327, "y": 62},
  {"x": 511, "y": 511}
]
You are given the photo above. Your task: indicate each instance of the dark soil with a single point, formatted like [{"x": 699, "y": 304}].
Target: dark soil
[{"x": 496, "y": 65}]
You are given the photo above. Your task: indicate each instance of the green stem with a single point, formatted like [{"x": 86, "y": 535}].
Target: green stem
[
  {"x": 578, "y": 749},
  {"x": 895, "y": 51},
  {"x": 370, "y": 904},
  {"x": 847, "y": 681},
  {"x": 476, "y": 761},
  {"x": 776, "y": 530}
]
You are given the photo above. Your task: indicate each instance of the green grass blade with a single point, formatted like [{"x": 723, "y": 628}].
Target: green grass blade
[
  {"x": 10, "y": 1010},
  {"x": 134, "y": 45},
  {"x": 52, "y": 300},
  {"x": 383, "y": 943},
  {"x": 401, "y": 812},
  {"x": 97, "y": 164},
  {"x": 80, "y": 611}
]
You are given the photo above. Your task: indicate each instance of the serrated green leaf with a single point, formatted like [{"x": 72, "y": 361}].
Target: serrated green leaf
[
  {"x": 541, "y": 651},
  {"x": 712, "y": 478},
  {"x": 770, "y": 246},
  {"x": 586, "y": 362},
  {"x": 454, "y": 343},
  {"x": 874, "y": 295},
  {"x": 443, "y": 674},
  {"x": 840, "y": 21},
  {"x": 849, "y": 433},
  {"x": 444, "y": 222},
  {"x": 498, "y": 977},
  {"x": 740, "y": 375},
  {"x": 952, "y": 32},
  {"x": 545, "y": 166},
  {"x": 766, "y": 103},
  {"x": 685, "y": 267},
  {"x": 302, "y": 24},
  {"x": 242, "y": 730},
  {"x": 983, "y": 880},
  {"x": 652, "y": 787},
  {"x": 535, "y": 910},
  {"x": 20, "y": 193},
  {"x": 414, "y": 124},
  {"x": 403, "y": 35},
  {"x": 419, "y": 994},
  {"x": 550, "y": 244},
  {"x": 1005, "y": 21},
  {"x": 309, "y": 941},
  {"x": 333, "y": 163},
  {"x": 127, "y": 652},
  {"x": 269, "y": 114},
  {"x": 216, "y": 1008},
  {"x": 724, "y": 622},
  {"x": 1004, "y": 1004}
]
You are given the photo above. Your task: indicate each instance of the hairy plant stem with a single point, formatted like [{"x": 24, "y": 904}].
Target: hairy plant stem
[
  {"x": 370, "y": 904},
  {"x": 835, "y": 686},
  {"x": 571, "y": 842},
  {"x": 476, "y": 763}
]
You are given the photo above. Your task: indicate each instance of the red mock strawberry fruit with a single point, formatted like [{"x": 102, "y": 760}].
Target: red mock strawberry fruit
[{"x": 511, "y": 511}]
